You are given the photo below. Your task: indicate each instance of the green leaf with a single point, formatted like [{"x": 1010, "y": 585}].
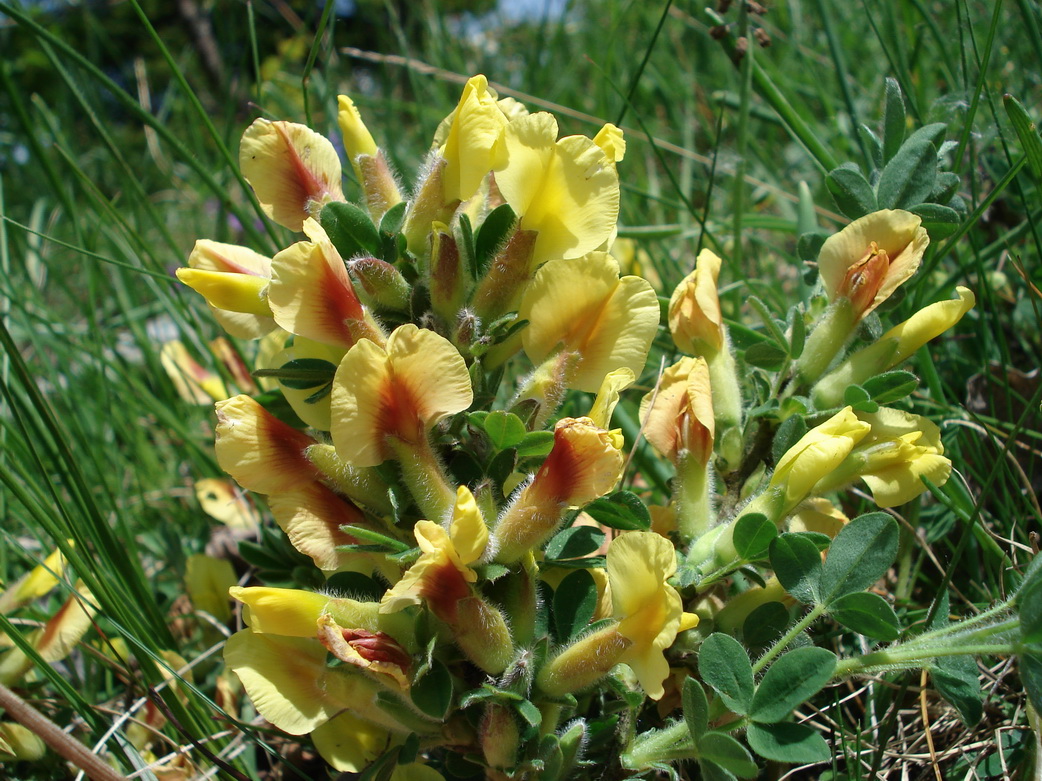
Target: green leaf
[
  {"x": 945, "y": 187},
  {"x": 529, "y": 712},
  {"x": 622, "y": 510},
  {"x": 765, "y": 624},
  {"x": 792, "y": 680},
  {"x": 375, "y": 538},
  {"x": 798, "y": 332},
  {"x": 766, "y": 355},
  {"x": 809, "y": 244},
  {"x": 696, "y": 707},
  {"x": 957, "y": 679},
  {"x": 1031, "y": 676},
  {"x": 432, "y": 694},
  {"x": 893, "y": 120},
  {"x": 492, "y": 233},
  {"x": 391, "y": 222},
  {"x": 301, "y": 373},
  {"x": 1029, "y": 603},
  {"x": 535, "y": 444},
  {"x": 574, "y": 542},
  {"x": 851, "y": 191},
  {"x": 797, "y": 563},
  {"x": 724, "y": 665},
  {"x": 909, "y": 177},
  {"x": 873, "y": 144},
  {"x": 350, "y": 229},
  {"x": 860, "y": 555},
  {"x": 795, "y": 744},
  {"x": 939, "y": 221},
  {"x": 891, "y": 386},
  {"x": 753, "y": 534},
  {"x": 710, "y": 771},
  {"x": 504, "y": 429},
  {"x": 1027, "y": 132},
  {"x": 867, "y": 614},
  {"x": 575, "y": 601},
  {"x": 722, "y": 749}
]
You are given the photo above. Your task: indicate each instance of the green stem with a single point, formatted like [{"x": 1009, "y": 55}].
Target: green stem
[
  {"x": 783, "y": 642},
  {"x": 694, "y": 497},
  {"x": 910, "y": 658},
  {"x": 425, "y": 478}
]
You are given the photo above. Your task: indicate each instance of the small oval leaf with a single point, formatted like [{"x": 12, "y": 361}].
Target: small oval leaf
[
  {"x": 789, "y": 682},
  {"x": 724, "y": 665}
]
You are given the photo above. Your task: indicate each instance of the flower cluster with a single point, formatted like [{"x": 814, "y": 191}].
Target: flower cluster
[{"x": 483, "y": 566}]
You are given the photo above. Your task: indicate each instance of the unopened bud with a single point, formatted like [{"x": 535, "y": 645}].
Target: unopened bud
[
  {"x": 499, "y": 736},
  {"x": 449, "y": 277},
  {"x": 482, "y": 634},
  {"x": 381, "y": 283}
]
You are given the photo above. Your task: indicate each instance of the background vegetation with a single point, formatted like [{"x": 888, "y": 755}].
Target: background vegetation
[{"x": 119, "y": 125}]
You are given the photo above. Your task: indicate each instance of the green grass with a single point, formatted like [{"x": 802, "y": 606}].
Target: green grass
[{"x": 96, "y": 447}]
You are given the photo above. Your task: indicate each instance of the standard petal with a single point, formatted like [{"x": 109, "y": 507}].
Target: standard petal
[
  {"x": 293, "y": 170},
  {"x": 261, "y": 452},
  {"x": 311, "y": 517},
  {"x": 358, "y": 405}
]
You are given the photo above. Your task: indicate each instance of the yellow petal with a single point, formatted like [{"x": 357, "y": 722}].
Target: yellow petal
[
  {"x": 694, "y": 308},
  {"x": 293, "y": 170},
  {"x": 400, "y": 391},
  {"x": 192, "y": 382},
  {"x": 312, "y": 296},
  {"x": 224, "y": 502},
  {"x": 312, "y": 516},
  {"x": 207, "y": 580},
  {"x": 567, "y": 190},
  {"x": 898, "y": 234},
  {"x": 469, "y": 149},
  {"x": 818, "y": 515},
  {"x": 357, "y": 139},
  {"x": 289, "y": 683},
  {"x": 295, "y": 612},
  {"x": 35, "y": 583},
  {"x": 467, "y": 529},
  {"x": 242, "y": 293},
  {"x": 232, "y": 259},
  {"x": 928, "y": 323},
  {"x": 608, "y": 395},
  {"x": 678, "y": 415},
  {"x": 583, "y": 464},
  {"x": 582, "y": 306},
  {"x": 259, "y": 451},
  {"x": 817, "y": 453},
  {"x": 349, "y": 744},
  {"x": 610, "y": 138}
]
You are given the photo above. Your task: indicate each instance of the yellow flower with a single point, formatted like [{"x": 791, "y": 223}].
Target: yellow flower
[
  {"x": 677, "y": 417},
  {"x": 608, "y": 395},
  {"x": 399, "y": 391},
  {"x": 816, "y": 455},
  {"x": 192, "y": 382},
  {"x": 375, "y": 176},
  {"x": 207, "y": 580},
  {"x": 470, "y": 138},
  {"x": 610, "y": 139},
  {"x": 584, "y": 463},
  {"x": 893, "y": 347},
  {"x": 565, "y": 189},
  {"x": 293, "y": 170},
  {"x": 899, "y": 450},
  {"x": 694, "y": 309},
  {"x": 648, "y": 613},
  {"x": 234, "y": 282},
  {"x": 649, "y": 610},
  {"x": 348, "y": 743},
  {"x": 871, "y": 257},
  {"x": 311, "y": 294},
  {"x": 312, "y": 517},
  {"x": 582, "y": 307},
  {"x": 442, "y": 575},
  {"x": 818, "y": 515},
  {"x": 55, "y": 639},
  {"x": 35, "y": 583}
]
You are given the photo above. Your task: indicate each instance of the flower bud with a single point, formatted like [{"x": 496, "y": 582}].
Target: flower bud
[
  {"x": 694, "y": 309},
  {"x": 500, "y": 736},
  {"x": 381, "y": 282}
]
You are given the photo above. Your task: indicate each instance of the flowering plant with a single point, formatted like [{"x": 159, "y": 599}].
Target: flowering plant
[{"x": 493, "y": 590}]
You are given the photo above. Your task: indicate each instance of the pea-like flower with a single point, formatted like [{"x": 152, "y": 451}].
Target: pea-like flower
[{"x": 234, "y": 282}]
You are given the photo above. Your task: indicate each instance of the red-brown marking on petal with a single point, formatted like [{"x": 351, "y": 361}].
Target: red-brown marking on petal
[
  {"x": 309, "y": 188},
  {"x": 339, "y": 305},
  {"x": 288, "y": 445},
  {"x": 230, "y": 265},
  {"x": 378, "y": 647},
  {"x": 865, "y": 277},
  {"x": 561, "y": 470},
  {"x": 398, "y": 416},
  {"x": 443, "y": 587}
]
